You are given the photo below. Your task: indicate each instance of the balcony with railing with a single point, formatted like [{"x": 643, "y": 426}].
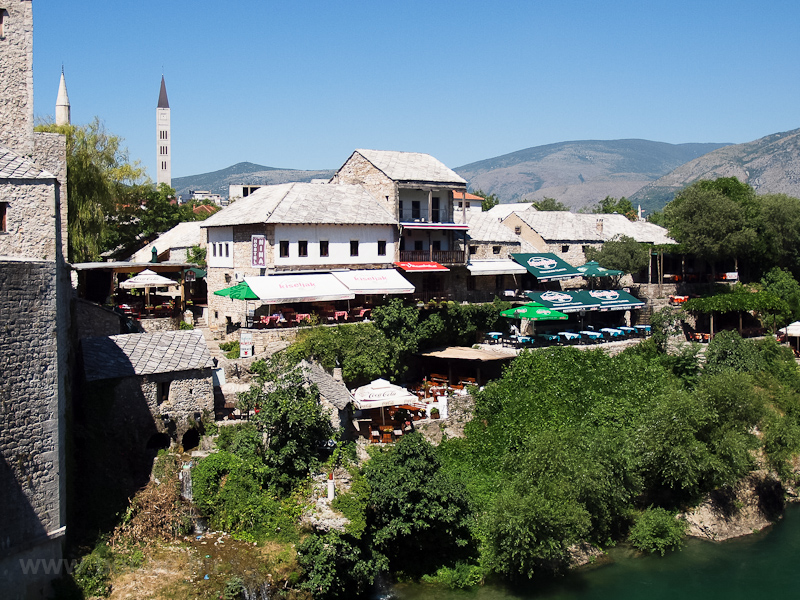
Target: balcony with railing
[{"x": 444, "y": 257}]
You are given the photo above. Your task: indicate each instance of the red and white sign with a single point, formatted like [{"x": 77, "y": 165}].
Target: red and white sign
[
  {"x": 421, "y": 267},
  {"x": 259, "y": 251}
]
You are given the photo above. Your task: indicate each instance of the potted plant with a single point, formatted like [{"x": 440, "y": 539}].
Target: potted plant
[{"x": 434, "y": 413}]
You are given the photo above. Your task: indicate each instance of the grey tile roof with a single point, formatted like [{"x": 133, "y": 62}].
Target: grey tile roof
[
  {"x": 641, "y": 231},
  {"x": 183, "y": 235},
  {"x": 484, "y": 227},
  {"x": 501, "y": 211},
  {"x": 144, "y": 354},
  {"x": 330, "y": 389},
  {"x": 579, "y": 227},
  {"x": 304, "y": 203},
  {"x": 16, "y": 167},
  {"x": 557, "y": 225},
  {"x": 411, "y": 166}
]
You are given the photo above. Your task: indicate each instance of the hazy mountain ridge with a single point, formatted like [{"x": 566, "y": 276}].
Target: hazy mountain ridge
[
  {"x": 579, "y": 173},
  {"x": 244, "y": 173},
  {"x": 770, "y": 164}
]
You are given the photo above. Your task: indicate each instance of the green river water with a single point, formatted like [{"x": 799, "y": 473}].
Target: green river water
[{"x": 763, "y": 565}]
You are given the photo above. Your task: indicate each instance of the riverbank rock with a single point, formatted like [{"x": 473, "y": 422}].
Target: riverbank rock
[
  {"x": 459, "y": 409},
  {"x": 754, "y": 503},
  {"x": 321, "y": 517}
]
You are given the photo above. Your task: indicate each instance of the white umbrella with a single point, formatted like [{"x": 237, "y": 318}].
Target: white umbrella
[
  {"x": 147, "y": 279},
  {"x": 381, "y": 393}
]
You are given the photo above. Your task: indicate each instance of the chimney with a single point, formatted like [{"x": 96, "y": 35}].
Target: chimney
[{"x": 599, "y": 225}]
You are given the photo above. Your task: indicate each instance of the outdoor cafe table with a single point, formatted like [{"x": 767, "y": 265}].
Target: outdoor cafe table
[
  {"x": 626, "y": 329},
  {"x": 592, "y": 335},
  {"x": 338, "y": 314},
  {"x": 494, "y": 335},
  {"x": 550, "y": 337},
  {"x": 524, "y": 339},
  {"x": 570, "y": 335},
  {"x": 612, "y": 332},
  {"x": 644, "y": 329}
]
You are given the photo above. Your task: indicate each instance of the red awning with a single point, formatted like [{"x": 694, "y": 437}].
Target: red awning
[{"x": 421, "y": 267}]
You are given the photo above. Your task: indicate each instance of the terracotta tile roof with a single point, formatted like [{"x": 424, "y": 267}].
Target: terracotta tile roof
[
  {"x": 16, "y": 167},
  {"x": 144, "y": 354}
]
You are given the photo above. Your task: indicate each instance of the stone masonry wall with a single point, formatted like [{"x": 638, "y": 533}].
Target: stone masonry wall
[
  {"x": 16, "y": 77},
  {"x": 358, "y": 169},
  {"x": 50, "y": 152},
  {"x": 30, "y": 219},
  {"x": 30, "y": 411},
  {"x": 190, "y": 392}
]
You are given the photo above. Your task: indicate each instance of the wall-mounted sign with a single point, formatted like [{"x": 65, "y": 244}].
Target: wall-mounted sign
[{"x": 259, "y": 251}]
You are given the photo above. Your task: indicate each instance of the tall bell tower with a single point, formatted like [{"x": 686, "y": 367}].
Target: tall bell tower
[{"x": 163, "y": 148}]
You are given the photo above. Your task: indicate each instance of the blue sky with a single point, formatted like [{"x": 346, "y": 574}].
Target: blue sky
[{"x": 302, "y": 83}]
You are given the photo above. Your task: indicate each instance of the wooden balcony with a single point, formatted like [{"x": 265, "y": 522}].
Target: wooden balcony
[{"x": 444, "y": 257}]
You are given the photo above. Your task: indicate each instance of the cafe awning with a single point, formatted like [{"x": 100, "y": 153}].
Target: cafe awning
[
  {"x": 380, "y": 393},
  {"x": 593, "y": 269},
  {"x": 375, "y": 281},
  {"x": 502, "y": 266},
  {"x": 594, "y": 300},
  {"x": 546, "y": 266},
  {"x": 421, "y": 267},
  {"x": 535, "y": 312},
  {"x": 306, "y": 287}
]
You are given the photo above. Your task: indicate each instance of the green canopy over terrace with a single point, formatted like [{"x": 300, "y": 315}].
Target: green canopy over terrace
[
  {"x": 593, "y": 269},
  {"x": 546, "y": 266},
  {"x": 594, "y": 300},
  {"x": 535, "y": 312},
  {"x": 240, "y": 291}
]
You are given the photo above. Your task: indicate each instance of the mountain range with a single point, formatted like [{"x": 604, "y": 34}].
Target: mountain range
[{"x": 581, "y": 173}]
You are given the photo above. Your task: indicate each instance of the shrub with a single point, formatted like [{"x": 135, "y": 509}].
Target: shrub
[
  {"x": 657, "y": 530},
  {"x": 184, "y": 326},
  {"x": 231, "y": 349}
]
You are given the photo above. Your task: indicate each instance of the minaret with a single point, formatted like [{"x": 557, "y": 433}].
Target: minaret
[
  {"x": 62, "y": 102},
  {"x": 163, "y": 153}
]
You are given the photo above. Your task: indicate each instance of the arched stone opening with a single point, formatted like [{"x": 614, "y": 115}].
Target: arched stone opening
[{"x": 190, "y": 439}]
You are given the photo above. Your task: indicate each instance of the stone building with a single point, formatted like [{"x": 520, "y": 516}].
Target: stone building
[
  {"x": 418, "y": 190},
  {"x": 155, "y": 387},
  {"x": 294, "y": 227}
]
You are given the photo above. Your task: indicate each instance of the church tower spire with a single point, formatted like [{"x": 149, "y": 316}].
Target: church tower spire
[
  {"x": 62, "y": 102},
  {"x": 163, "y": 152}
]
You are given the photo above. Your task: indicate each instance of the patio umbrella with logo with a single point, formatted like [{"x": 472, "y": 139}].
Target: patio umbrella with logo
[
  {"x": 535, "y": 312},
  {"x": 593, "y": 269}
]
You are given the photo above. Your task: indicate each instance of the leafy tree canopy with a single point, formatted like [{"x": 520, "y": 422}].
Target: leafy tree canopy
[
  {"x": 489, "y": 200},
  {"x": 622, "y": 253},
  {"x": 548, "y": 204},
  {"x": 622, "y": 206}
]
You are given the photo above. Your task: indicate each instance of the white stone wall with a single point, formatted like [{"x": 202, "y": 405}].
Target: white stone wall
[
  {"x": 338, "y": 238},
  {"x": 16, "y": 77}
]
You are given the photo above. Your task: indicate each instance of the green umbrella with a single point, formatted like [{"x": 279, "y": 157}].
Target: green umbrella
[
  {"x": 593, "y": 269},
  {"x": 240, "y": 291},
  {"x": 535, "y": 312}
]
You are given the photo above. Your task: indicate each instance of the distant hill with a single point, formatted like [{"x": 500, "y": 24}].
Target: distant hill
[
  {"x": 217, "y": 182},
  {"x": 579, "y": 173},
  {"x": 770, "y": 164}
]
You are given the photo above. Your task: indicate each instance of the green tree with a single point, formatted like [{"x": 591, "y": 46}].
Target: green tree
[
  {"x": 197, "y": 256},
  {"x": 549, "y": 204},
  {"x": 657, "y": 530},
  {"x": 489, "y": 200},
  {"x": 779, "y": 231},
  {"x": 98, "y": 174},
  {"x": 622, "y": 253},
  {"x": 622, "y": 206},
  {"x": 714, "y": 219},
  {"x": 290, "y": 418},
  {"x": 417, "y": 514},
  {"x": 781, "y": 283}
]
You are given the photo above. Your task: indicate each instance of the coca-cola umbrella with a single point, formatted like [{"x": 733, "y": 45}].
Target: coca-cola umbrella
[{"x": 380, "y": 394}]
